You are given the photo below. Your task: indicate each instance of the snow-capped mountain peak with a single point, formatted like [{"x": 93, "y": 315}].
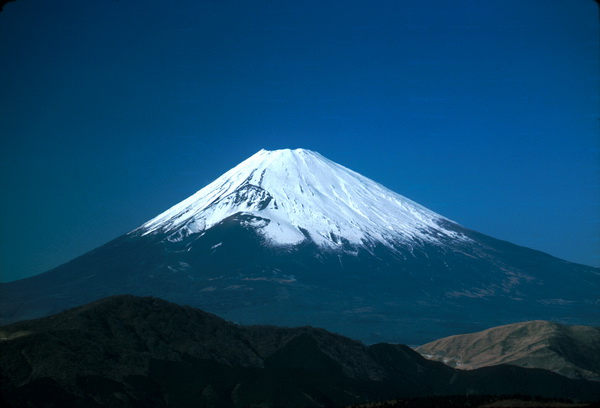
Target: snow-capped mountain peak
[
  {"x": 288, "y": 237},
  {"x": 294, "y": 195}
]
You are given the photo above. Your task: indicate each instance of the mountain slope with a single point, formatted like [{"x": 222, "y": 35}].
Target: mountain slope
[
  {"x": 127, "y": 351},
  {"x": 290, "y": 238},
  {"x": 573, "y": 351}
]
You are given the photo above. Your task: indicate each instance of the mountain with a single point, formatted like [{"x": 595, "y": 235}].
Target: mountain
[
  {"x": 127, "y": 351},
  {"x": 291, "y": 238},
  {"x": 572, "y": 351}
]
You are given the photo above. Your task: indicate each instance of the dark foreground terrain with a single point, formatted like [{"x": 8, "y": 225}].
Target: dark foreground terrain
[
  {"x": 127, "y": 351},
  {"x": 479, "y": 401}
]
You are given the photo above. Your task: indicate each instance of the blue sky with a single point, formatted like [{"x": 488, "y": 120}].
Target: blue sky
[{"x": 113, "y": 110}]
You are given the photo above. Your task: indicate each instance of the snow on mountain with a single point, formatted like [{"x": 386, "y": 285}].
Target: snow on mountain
[{"x": 297, "y": 194}]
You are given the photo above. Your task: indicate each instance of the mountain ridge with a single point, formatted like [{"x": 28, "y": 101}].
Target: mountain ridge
[
  {"x": 131, "y": 351},
  {"x": 566, "y": 350}
]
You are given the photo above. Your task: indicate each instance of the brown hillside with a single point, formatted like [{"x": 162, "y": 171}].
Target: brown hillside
[{"x": 572, "y": 351}]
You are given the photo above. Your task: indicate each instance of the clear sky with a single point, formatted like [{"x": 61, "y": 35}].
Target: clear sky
[{"x": 111, "y": 111}]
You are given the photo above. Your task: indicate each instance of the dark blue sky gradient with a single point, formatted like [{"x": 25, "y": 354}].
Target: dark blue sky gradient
[{"x": 112, "y": 111}]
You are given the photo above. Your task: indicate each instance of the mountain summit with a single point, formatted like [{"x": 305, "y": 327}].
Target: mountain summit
[
  {"x": 288, "y": 237},
  {"x": 298, "y": 195}
]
